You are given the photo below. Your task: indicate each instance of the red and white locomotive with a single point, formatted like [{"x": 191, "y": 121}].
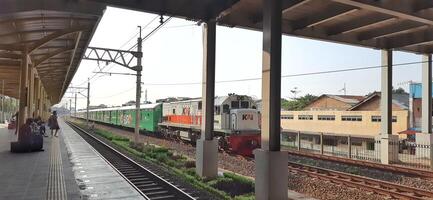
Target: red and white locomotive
[{"x": 236, "y": 122}]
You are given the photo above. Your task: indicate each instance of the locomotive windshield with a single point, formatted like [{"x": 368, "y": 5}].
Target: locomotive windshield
[
  {"x": 235, "y": 104},
  {"x": 245, "y": 104},
  {"x": 226, "y": 109}
]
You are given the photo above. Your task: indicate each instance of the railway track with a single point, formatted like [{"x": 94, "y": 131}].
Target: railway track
[
  {"x": 362, "y": 163},
  {"x": 368, "y": 184},
  {"x": 413, "y": 172},
  {"x": 385, "y": 188},
  {"x": 148, "y": 184}
]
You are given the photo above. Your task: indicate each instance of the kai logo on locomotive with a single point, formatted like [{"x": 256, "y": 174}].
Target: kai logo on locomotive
[{"x": 247, "y": 117}]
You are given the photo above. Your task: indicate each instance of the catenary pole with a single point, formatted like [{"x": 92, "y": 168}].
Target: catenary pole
[
  {"x": 88, "y": 102},
  {"x": 75, "y": 107},
  {"x": 138, "y": 89}
]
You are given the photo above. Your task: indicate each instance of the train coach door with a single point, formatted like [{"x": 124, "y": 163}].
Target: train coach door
[{"x": 234, "y": 120}]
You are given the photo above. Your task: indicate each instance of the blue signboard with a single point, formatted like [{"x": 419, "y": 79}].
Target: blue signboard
[{"x": 415, "y": 90}]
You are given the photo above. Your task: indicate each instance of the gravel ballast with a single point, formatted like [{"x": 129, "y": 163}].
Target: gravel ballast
[{"x": 313, "y": 187}]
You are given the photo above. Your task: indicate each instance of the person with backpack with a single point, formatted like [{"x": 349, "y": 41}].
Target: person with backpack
[
  {"x": 41, "y": 125},
  {"x": 53, "y": 124}
]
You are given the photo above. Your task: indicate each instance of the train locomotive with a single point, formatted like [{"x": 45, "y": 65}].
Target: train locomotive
[{"x": 236, "y": 121}]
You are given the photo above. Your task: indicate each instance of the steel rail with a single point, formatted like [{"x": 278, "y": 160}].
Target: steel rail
[
  {"x": 147, "y": 183},
  {"x": 363, "y": 163},
  {"x": 377, "y": 186}
]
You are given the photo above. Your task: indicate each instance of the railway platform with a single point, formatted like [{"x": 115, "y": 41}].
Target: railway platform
[{"x": 68, "y": 168}]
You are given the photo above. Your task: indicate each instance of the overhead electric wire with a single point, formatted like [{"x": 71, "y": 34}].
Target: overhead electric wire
[
  {"x": 135, "y": 35},
  {"x": 153, "y": 31},
  {"x": 143, "y": 39},
  {"x": 122, "y": 92},
  {"x": 284, "y": 76},
  {"x": 292, "y": 75}
]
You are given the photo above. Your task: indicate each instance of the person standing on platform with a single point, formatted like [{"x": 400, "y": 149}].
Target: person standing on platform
[
  {"x": 16, "y": 121},
  {"x": 41, "y": 125},
  {"x": 53, "y": 124}
]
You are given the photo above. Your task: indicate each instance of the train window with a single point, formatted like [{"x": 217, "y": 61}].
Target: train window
[
  {"x": 245, "y": 104},
  {"x": 199, "y": 105},
  {"x": 226, "y": 109},
  {"x": 235, "y": 104},
  {"x": 174, "y": 111}
]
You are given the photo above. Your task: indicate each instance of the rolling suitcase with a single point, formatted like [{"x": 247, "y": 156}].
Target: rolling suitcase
[
  {"x": 37, "y": 142},
  {"x": 19, "y": 147}
]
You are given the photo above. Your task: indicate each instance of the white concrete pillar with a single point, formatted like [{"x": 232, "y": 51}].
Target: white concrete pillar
[
  {"x": 388, "y": 142},
  {"x": 426, "y": 120},
  {"x": 271, "y": 164},
  {"x": 349, "y": 146},
  {"x": 321, "y": 143},
  {"x": 207, "y": 146}
]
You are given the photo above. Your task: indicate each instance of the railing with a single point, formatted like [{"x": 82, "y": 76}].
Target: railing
[{"x": 404, "y": 152}]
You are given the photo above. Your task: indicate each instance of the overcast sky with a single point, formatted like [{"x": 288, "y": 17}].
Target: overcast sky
[{"x": 174, "y": 55}]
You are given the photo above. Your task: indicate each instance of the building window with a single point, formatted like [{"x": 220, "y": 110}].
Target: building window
[
  {"x": 375, "y": 119},
  {"x": 370, "y": 146},
  {"x": 305, "y": 117},
  {"x": 326, "y": 117},
  {"x": 286, "y": 116},
  {"x": 378, "y": 119},
  {"x": 351, "y": 118}
]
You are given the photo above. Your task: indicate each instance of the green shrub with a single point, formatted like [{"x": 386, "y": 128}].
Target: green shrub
[
  {"x": 235, "y": 185},
  {"x": 119, "y": 138},
  {"x": 239, "y": 178},
  {"x": 245, "y": 197}
]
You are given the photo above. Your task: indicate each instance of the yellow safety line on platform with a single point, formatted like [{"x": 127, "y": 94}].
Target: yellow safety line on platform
[{"x": 56, "y": 189}]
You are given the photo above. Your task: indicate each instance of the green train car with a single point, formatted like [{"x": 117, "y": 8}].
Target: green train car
[{"x": 150, "y": 116}]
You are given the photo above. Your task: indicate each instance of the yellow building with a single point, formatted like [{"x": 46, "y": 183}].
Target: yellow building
[
  {"x": 341, "y": 122},
  {"x": 346, "y": 115}
]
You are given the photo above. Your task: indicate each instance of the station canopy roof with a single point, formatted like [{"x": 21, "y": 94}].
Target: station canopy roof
[
  {"x": 55, "y": 34},
  {"x": 404, "y": 25}
]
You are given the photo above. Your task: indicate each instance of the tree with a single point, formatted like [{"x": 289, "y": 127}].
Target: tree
[
  {"x": 297, "y": 103},
  {"x": 399, "y": 91}
]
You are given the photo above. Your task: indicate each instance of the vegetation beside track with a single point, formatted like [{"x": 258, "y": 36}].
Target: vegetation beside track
[{"x": 228, "y": 186}]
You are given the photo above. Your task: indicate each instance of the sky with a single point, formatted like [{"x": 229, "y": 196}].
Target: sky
[{"x": 173, "y": 55}]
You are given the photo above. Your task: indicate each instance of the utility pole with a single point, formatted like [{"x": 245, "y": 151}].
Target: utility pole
[
  {"x": 343, "y": 89},
  {"x": 75, "y": 108},
  {"x": 87, "y": 97},
  {"x": 88, "y": 102},
  {"x": 145, "y": 95},
  {"x": 138, "y": 91},
  {"x": 70, "y": 107},
  {"x": 123, "y": 58}
]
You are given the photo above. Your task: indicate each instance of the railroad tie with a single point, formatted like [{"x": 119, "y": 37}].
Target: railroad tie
[{"x": 56, "y": 189}]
